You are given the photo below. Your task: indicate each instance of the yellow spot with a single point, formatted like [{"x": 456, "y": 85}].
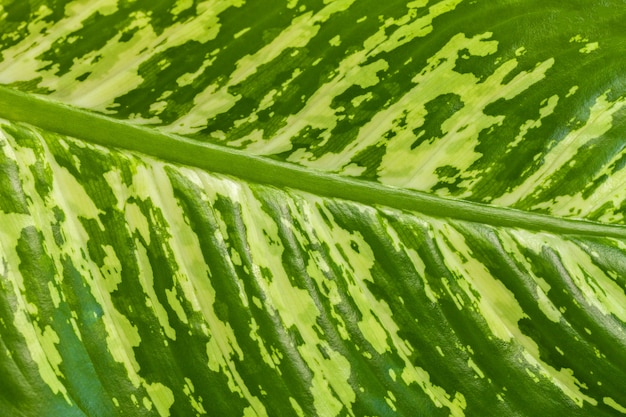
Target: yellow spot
[
  {"x": 174, "y": 302},
  {"x": 614, "y": 404},
  {"x": 590, "y": 47},
  {"x": 296, "y": 407},
  {"x": 390, "y": 400},
  {"x": 54, "y": 294},
  {"x": 138, "y": 221},
  {"x": 180, "y": 6},
  {"x": 572, "y": 91},
  {"x": 147, "y": 403},
  {"x": 392, "y": 374},
  {"x": 578, "y": 38},
  {"x": 146, "y": 278},
  {"x": 161, "y": 396},
  {"x": 475, "y": 367}
]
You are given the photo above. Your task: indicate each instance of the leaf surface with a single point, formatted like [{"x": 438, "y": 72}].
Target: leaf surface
[{"x": 312, "y": 208}]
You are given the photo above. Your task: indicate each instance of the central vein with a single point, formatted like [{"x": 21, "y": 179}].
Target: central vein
[{"x": 106, "y": 131}]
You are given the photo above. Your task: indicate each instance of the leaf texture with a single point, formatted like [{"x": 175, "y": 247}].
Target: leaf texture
[
  {"x": 515, "y": 103},
  {"x": 133, "y": 285}
]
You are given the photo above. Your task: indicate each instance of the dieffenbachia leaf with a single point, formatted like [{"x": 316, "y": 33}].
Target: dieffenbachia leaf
[{"x": 307, "y": 208}]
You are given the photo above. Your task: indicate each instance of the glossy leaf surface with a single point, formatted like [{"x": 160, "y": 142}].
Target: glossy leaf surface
[{"x": 435, "y": 225}]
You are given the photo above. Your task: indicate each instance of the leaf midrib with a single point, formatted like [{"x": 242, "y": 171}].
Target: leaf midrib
[{"x": 102, "y": 130}]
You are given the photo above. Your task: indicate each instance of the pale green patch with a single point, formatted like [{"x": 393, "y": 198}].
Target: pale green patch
[
  {"x": 175, "y": 304},
  {"x": 578, "y": 38},
  {"x": 438, "y": 395},
  {"x": 180, "y": 6},
  {"x": 597, "y": 287},
  {"x": 572, "y": 91},
  {"x": 472, "y": 364},
  {"x": 188, "y": 77},
  {"x": 546, "y": 109},
  {"x": 590, "y": 47},
  {"x": 393, "y": 375},
  {"x": 137, "y": 220},
  {"x": 564, "y": 152},
  {"x": 147, "y": 403},
  {"x": 54, "y": 294},
  {"x": 162, "y": 397},
  {"x": 189, "y": 391},
  {"x": 358, "y": 100},
  {"x": 146, "y": 278},
  {"x": 614, "y": 404},
  {"x": 318, "y": 111},
  {"x": 495, "y": 303},
  {"x": 296, "y": 407},
  {"x": 213, "y": 101},
  {"x": 111, "y": 269},
  {"x": 390, "y": 399},
  {"x": 270, "y": 360},
  {"x": 545, "y": 304}
]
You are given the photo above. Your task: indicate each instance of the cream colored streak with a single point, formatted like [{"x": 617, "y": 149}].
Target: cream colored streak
[
  {"x": 564, "y": 152},
  {"x": 511, "y": 247},
  {"x": 610, "y": 191},
  {"x": 215, "y": 100},
  {"x": 493, "y": 301},
  {"x": 116, "y": 70},
  {"x": 376, "y": 325},
  {"x": 457, "y": 146},
  {"x": 122, "y": 336},
  {"x": 318, "y": 112},
  {"x": 21, "y": 63},
  {"x": 597, "y": 287},
  {"x": 430, "y": 83},
  {"x": 41, "y": 342},
  {"x": 294, "y": 306},
  {"x": 151, "y": 182},
  {"x": 222, "y": 348}
]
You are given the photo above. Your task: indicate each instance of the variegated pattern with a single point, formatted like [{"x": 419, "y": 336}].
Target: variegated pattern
[
  {"x": 515, "y": 103},
  {"x": 133, "y": 286}
]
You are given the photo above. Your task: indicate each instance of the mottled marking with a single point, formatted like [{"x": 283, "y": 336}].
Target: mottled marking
[
  {"x": 614, "y": 404},
  {"x": 564, "y": 152}
]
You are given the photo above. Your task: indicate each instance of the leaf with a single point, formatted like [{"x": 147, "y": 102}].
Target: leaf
[{"x": 312, "y": 208}]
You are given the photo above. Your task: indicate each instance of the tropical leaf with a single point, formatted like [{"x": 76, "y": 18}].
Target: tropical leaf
[{"x": 312, "y": 208}]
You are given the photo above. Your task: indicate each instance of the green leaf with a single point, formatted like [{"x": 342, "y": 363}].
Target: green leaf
[{"x": 310, "y": 208}]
